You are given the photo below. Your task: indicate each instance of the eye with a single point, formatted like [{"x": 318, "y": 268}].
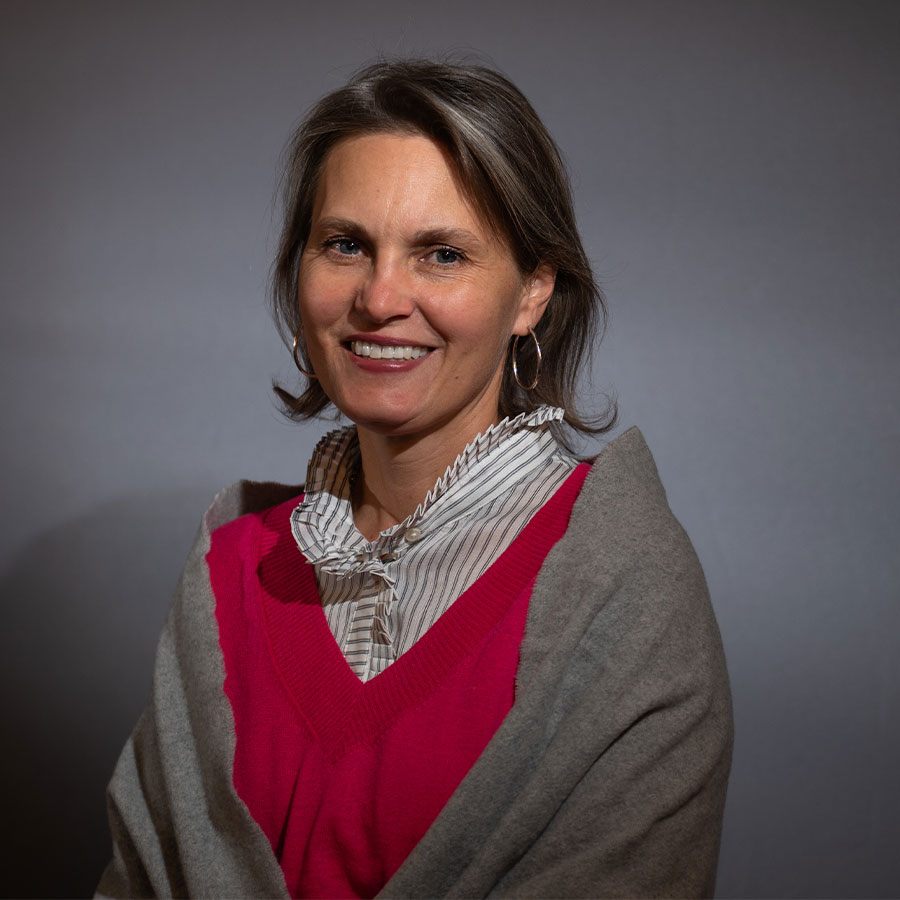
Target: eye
[
  {"x": 344, "y": 246},
  {"x": 446, "y": 256}
]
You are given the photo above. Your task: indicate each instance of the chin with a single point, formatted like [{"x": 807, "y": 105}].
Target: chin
[
  {"x": 381, "y": 411},
  {"x": 389, "y": 426},
  {"x": 382, "y": 419}
]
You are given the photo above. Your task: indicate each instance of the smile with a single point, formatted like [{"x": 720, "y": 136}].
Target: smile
[{"x": 387, "y": 351}]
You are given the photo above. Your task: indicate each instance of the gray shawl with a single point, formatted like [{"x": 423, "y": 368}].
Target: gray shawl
[{"x": 606, "y": 779}]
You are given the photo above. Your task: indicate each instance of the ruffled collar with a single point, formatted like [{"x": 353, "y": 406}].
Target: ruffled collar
[{"x": 322, "y": 524}]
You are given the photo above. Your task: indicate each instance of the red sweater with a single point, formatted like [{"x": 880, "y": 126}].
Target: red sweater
[{"x": 344, "y": 777}]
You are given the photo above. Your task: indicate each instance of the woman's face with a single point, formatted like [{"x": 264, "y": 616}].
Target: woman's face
[{"x": 408, "y": 300}]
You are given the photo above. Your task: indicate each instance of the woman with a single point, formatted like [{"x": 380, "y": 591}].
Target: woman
[{"x": 461, "y": 663}]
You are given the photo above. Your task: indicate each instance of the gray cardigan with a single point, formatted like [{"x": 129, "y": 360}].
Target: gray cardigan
[{"x": 606, "y": 779}]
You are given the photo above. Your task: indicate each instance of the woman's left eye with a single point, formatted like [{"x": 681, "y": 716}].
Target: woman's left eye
[{"x": 446, "y": 256}]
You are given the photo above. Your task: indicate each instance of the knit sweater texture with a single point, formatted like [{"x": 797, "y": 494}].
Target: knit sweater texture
[
  {"x": 345, "y": 776},
  {"x": 606, "y": 779}
]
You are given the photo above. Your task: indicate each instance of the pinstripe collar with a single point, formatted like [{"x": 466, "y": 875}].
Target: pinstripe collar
[{"x": 322, "y": 524}]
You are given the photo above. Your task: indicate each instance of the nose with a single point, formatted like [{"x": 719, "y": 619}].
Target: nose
[{"x": 387, "y": 293}]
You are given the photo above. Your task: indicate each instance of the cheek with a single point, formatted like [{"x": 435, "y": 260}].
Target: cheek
[
  {"x": 493, "y": 316},
  {"x": 320, "y": 300}
]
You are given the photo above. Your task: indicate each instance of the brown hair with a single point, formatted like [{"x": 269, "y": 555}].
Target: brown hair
[{"x": 510, "y": 169}]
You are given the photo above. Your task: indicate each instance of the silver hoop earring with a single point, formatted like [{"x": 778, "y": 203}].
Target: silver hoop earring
[
  {"x": 515, "y": 368},
  {"x": 296, "y": 354}
]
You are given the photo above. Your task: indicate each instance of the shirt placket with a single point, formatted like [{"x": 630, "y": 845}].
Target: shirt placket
[
  {"x": 369, "y": 647},
  {"x": 382, "y": 646}
]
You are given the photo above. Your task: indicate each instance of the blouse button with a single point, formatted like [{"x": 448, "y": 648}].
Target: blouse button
[{"x": 413, "y": 535}]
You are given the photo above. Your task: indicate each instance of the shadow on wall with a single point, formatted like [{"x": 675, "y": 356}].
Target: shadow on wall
[{"x": 83, "y": 606}]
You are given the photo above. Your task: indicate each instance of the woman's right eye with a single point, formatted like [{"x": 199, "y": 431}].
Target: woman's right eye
[{"x": 344, "y": 246}]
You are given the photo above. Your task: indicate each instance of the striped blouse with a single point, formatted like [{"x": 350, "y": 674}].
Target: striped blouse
[{"x": 381, "y": 596}]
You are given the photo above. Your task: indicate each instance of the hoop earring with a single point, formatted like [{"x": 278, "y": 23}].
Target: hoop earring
[
  {"x": 515, "y": 368},
  {"x": 296, "y": 354}
]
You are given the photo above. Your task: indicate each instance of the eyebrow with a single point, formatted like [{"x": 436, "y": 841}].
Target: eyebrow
[
  {"x": 334, "y": 223},
  {"x": 446, "y": 236}
]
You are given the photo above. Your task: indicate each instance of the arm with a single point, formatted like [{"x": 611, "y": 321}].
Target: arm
[
  {"x": 608, "y": 776},
  {"x": 643, "y": 818},
  {"x": 178, "y": 827}
]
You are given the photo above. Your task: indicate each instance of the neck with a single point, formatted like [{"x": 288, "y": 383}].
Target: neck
[{"x": 398, "y": 472}]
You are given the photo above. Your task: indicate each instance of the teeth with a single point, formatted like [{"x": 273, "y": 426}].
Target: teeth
[{"x": 387, "y": 351}]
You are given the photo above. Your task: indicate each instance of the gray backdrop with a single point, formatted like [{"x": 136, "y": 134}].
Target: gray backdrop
[{"x": 736, "y": 169}]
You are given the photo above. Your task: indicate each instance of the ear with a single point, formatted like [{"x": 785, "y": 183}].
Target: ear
[{"x": 536, "y": 293}]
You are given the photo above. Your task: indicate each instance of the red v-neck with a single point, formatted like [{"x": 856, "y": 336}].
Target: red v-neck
[{"x": 341, "y": 710}]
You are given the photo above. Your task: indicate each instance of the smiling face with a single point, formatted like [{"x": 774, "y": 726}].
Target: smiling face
[{"x": 408, "y": 300}]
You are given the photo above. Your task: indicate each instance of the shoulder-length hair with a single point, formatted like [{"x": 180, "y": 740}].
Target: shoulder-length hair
[{"x": 511, "y": 171}]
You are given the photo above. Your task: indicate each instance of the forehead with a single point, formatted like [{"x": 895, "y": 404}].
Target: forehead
[{"x": 404, "y": 177}]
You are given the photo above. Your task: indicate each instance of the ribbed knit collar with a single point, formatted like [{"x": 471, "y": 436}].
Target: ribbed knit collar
[
  {"x": 342, "y": 709},
  {"x": 323, "y": 526}
]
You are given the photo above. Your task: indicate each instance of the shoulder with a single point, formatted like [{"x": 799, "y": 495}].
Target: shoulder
[
  {"x": 226, "y": 550},
  {"x": 231, "y": 526},
  {"x": 246, "y": 498},
  {"x": 625, "y": 572},
  {"x": 622, "y": 518}
]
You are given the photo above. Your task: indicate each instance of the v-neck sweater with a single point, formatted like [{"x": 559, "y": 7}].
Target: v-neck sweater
[
  {"x": 381, "y": 596},
  {"x": 344, "y": 777}
]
